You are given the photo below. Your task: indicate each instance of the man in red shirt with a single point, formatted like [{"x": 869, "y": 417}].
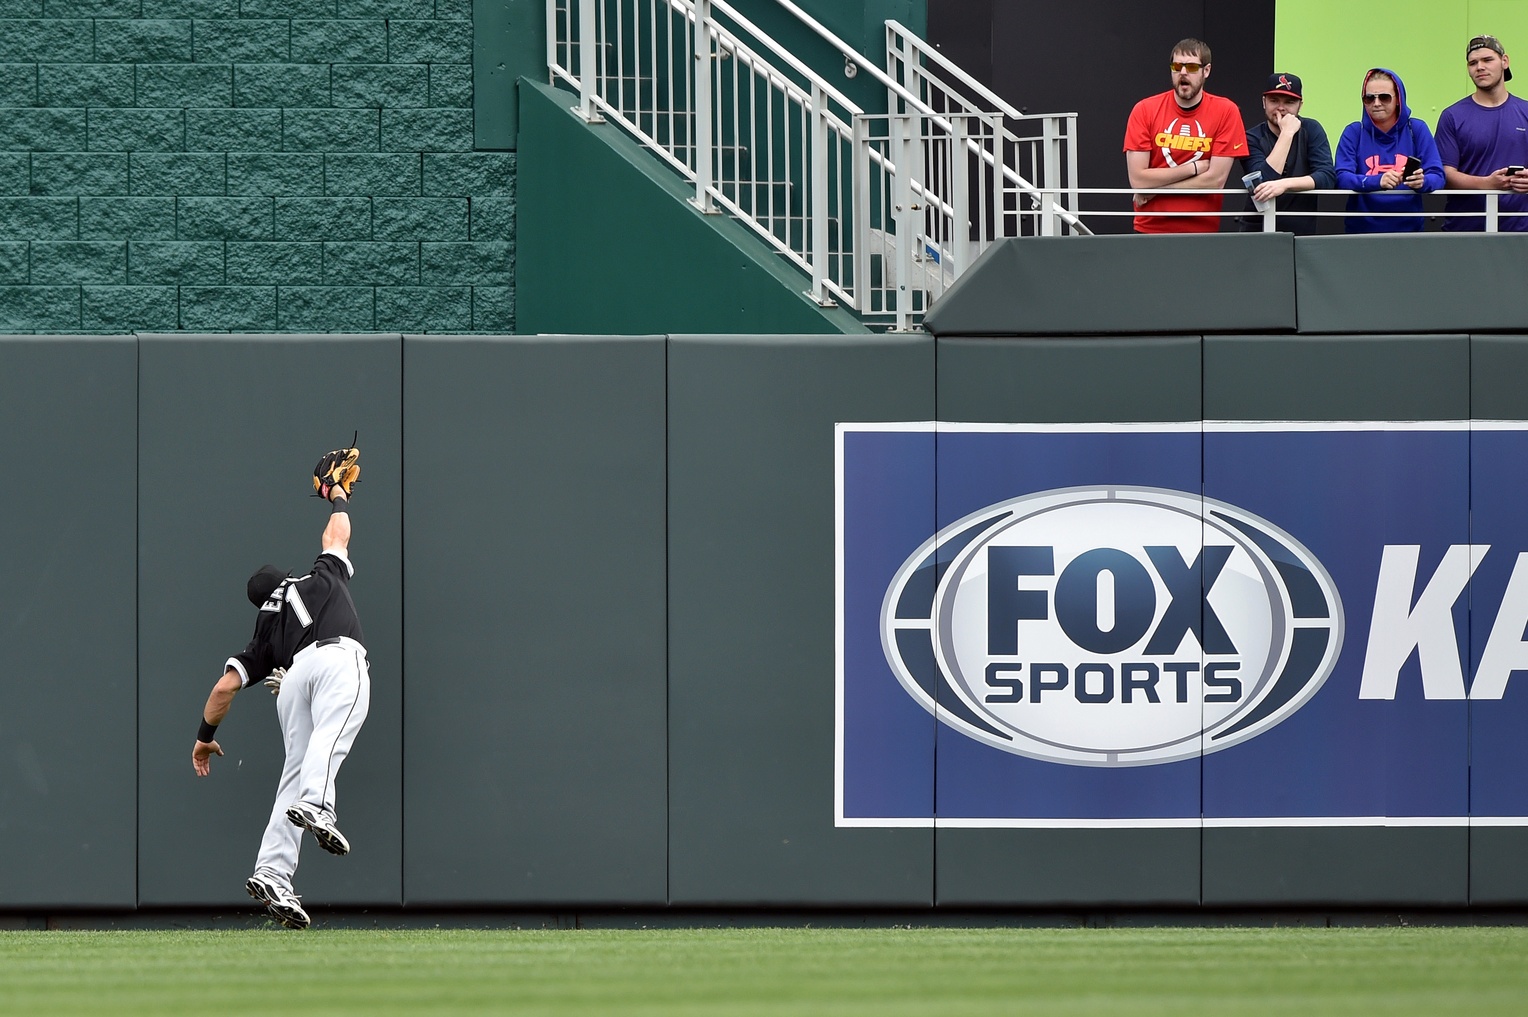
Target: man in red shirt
[{"x": 1183, "y": 138}]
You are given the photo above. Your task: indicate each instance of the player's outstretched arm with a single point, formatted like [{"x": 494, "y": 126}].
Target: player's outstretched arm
[
  {"x": 218, "y": 702},
  {"x": 337, "y": 532}
]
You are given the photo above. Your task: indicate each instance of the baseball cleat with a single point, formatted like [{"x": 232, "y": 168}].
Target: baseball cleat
[
  {"x": 318, "y": 823},
  {"x": 284, "y": 905}
]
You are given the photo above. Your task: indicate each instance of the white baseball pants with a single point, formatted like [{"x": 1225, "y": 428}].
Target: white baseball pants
[{"x": 322, "y": 705}]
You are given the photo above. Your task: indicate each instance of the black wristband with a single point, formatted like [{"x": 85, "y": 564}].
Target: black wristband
[
  {"x": 206, "y": 732},
  {"x": 339, "y": 505}
]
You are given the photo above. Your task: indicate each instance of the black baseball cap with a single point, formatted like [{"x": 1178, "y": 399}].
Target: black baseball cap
[
  {"x": 263, "y": 583},
  {"x": 1488, "y": 42},
  {"x": 1284, "y": 84}
]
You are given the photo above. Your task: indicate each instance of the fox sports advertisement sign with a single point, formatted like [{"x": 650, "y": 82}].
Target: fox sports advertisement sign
[{"x": 1235, "y": 624}]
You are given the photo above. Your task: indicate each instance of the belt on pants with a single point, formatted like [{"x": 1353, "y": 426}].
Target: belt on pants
[{"x": 343, "y": 641}]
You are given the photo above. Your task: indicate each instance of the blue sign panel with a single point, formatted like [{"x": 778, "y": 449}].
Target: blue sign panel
[{"x": 1175, "y": 625}]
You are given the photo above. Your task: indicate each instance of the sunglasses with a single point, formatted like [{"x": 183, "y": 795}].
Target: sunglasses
[
  {"x": 1378, "y": 97},
  {"x": 1191, "y": 68}
]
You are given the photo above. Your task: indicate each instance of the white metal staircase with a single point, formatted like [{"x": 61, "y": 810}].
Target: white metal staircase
[{"x": 881, "y": 210}]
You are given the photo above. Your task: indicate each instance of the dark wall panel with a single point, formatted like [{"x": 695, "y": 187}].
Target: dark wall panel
[
  {"x": 751, "y": 608},
  {"x": 1497, "y": 874},
  {"x": 962, "y": 31},
  {"x": 1336, "y": 378},
  {"x": 1349, "y": 866},
  {"x": 1060, "y": 380},
  {"x": 1125, "y": 285},
  {"x": 229, "y": 428},
  {"x": 1498, "y": 365},
  {"x": 1499, "y": 769},
  {"x": 68, "y": 824},
  {"x": 1346, "y": 378},
  {"x": 1361, "y": 284},
  {"x": 1068, "y": 868},
  {"x": 535, "y": 767},
  {"x": 1049, "y": 380},
  {"x": 1241, "y": 36}
]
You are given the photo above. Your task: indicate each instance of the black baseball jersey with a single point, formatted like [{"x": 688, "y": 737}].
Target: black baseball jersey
[{"x": 300, "y": 612}]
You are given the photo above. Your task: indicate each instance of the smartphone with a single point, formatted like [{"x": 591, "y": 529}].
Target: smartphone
[
  {"x": 1513, "y": 171},
  {"x": 1412, "y": 165}
]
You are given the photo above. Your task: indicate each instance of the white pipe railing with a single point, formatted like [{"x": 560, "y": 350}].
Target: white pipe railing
[
  {"x": 1492, "y": 216},
  {"x": 928, "y": 73},
  {"x": 881, "y": 211}
]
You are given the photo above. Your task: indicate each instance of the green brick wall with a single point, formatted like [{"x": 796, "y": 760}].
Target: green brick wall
[{"x": 248, "y": 165}]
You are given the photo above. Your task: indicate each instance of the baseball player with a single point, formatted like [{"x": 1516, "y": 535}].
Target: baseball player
[{"x": 308, "y": 640}]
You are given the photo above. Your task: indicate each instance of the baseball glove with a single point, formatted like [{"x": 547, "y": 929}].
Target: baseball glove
[{"x": 337, "y": 469}]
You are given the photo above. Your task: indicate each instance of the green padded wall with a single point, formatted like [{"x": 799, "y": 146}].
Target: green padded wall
[
  {"x": 629, "y": 614},
  {"x": 1394, "y": 377},
  {"x": 252, "y": 412},
  {"x": 1498, "y": 365},
  {"x": 68, "y": 822},
  {"x": 1231, "y": 282},
  {"x": 1338, "y": 378},
  {"x": 1412, "y": 283},
  {"x": 751, "y": 608},
  {"x": 1057, "y": 380},
  {"x": 1050, "y": 380},
  {"x": 536, "y": 756},
  {"x": 619, "y": 252}
]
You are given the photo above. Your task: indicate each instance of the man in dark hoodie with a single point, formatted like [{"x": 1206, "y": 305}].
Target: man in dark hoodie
[{"x": 1372, "y": 154}]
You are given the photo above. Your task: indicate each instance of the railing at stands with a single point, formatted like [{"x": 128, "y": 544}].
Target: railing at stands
[
  {"x": 1020, "y": 148},
  {"x": 1494, "y": 219},
  {"x": 881, "y": 211}
]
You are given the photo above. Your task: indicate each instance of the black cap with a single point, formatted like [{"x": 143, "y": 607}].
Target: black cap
[
  {"x": 1284, "y": 84},
  {"x": 263, "y": 583},
  {"x": 1488, "y": 42}
]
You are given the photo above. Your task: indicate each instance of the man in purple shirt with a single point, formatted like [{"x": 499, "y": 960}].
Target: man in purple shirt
[{"x": 1483, "y": 139}]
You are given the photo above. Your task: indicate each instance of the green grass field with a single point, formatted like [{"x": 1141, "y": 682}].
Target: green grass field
[{"x": 1134, "y": 972}]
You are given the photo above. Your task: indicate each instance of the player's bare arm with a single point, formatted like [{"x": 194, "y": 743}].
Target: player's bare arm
[
  {"x": 218, "y": 702},
  {"x": 337, "y": 532}
]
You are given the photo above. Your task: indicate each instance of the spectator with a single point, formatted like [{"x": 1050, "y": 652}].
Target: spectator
[
  {"x": 1292, "y": 154},
  {"x": 1482, "y": 138},
  {"x": 1372, "y": 154},
  {"x": 1183, "y": 138}
]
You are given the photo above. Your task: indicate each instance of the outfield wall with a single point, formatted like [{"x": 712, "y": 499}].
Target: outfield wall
[{"x": 597, "y": 576}]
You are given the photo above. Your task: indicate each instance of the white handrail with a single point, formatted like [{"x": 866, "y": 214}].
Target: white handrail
[
  {"x": 898, "y": 39},
  {"x": 881, "y": 211},
  {"x": 784, "y": 55},
  {"x": 1492, "y": 215}
]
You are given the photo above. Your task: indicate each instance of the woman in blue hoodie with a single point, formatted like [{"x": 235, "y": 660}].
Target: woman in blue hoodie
[{"x": 1371, "y": 158}]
